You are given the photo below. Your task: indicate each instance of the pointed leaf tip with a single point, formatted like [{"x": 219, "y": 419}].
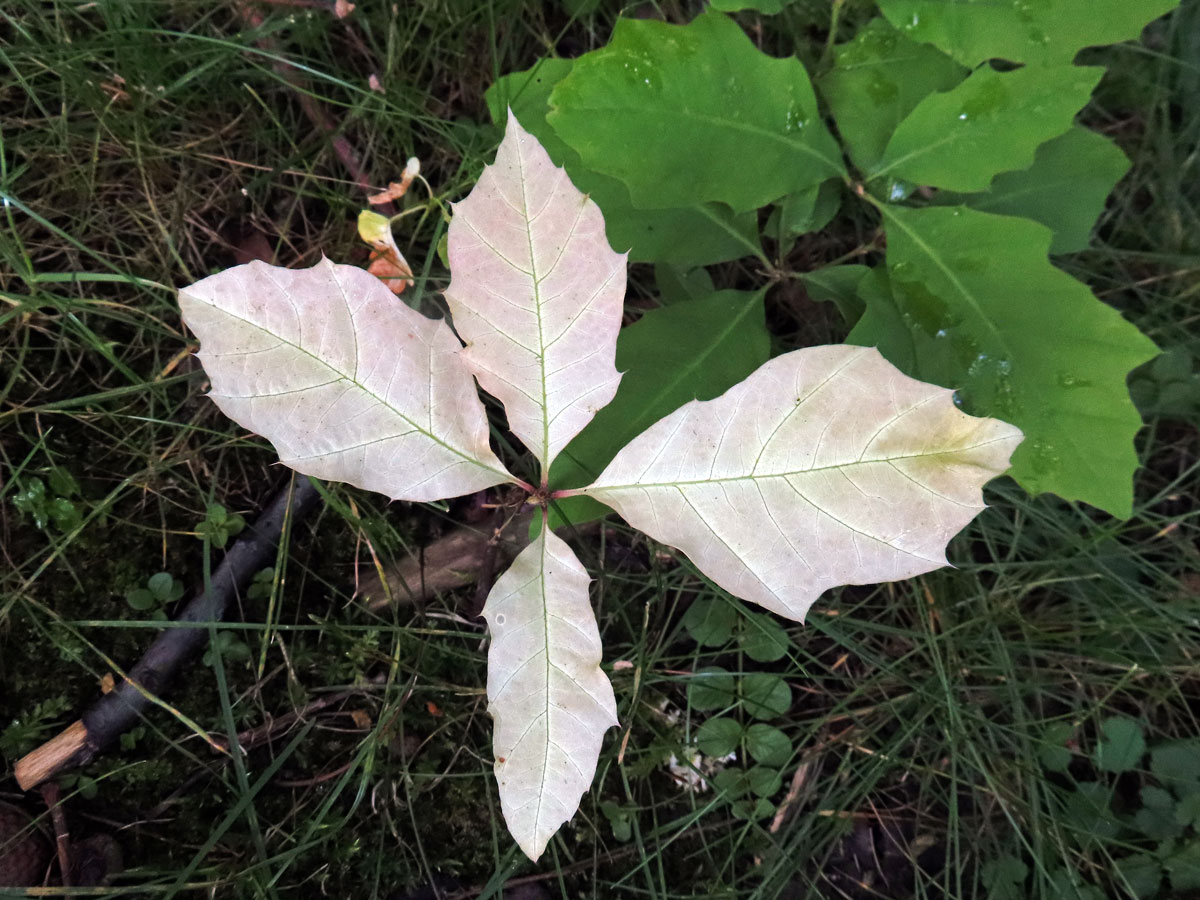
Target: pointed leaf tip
[
  {"x": 549, "y": 698},
  {"x": 537, "y": 294},
  {"x": 321, "y": 362},
  {"x": 827, "y": 466}
]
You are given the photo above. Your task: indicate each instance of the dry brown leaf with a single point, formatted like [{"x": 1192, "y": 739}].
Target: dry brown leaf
[
  {"x": 397, "y": 189},
  {"x": 389, "y": 266}
]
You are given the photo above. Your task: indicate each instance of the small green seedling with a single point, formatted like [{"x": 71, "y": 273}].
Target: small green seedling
[
  {"x": 50, "y": 505},
  {"x": 160, "y": 592},
  {"x": 262, "y": 584},
  {"x": 219, "y": 526},
  {"x": 228, "y": 648}
]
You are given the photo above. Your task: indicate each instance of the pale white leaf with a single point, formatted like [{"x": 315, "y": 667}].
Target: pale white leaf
[
  {"x": 827, "y": 466},
  {"x": 550, "y": 701},
  {"x": 536, "y": 294},
  {"x": 347, "y": 382}
]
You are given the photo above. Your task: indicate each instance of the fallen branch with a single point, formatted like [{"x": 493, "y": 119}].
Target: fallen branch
[
  {"x": 117, "y": 711},
  {"x": 453, "y": 561}
]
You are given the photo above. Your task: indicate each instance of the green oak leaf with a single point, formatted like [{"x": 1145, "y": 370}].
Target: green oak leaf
[
  {"x": 975, "y": 304},
  {"x": 838, "y": 285},
  {"x": 1030, "y": 31},
  {"x": 687, "y": 114},
  {"x": 766, "y": 7},
  {"x": 678, "y": 285},
  {"x": 993, "y": 122},
  {"x": 688, "y": 351},
  {"x": 1065, "y": 188},
  {"x": 808, "y": 211},
  {"x": 877, "y": 79},
  {"x": 696, "y": 234}
]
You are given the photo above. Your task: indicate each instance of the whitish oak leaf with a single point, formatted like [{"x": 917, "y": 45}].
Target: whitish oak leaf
[
  {"x": 827, "y": 466},
  {"x": 550, "y": 701},
  {"x": 345, "y": 380},
  {"x": 536, "y": 294}
]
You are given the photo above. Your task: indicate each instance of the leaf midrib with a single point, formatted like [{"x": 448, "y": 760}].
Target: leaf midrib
[
  {"x": 769, "y": 475},
  {"x": 537, "y": 307}
]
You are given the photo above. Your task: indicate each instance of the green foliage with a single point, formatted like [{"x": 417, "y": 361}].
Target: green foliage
[
  {"x": 965, "y": 305},
  {"x": 219, "y": 525},
  {"x": 838, "y": 285},
  {"x": 1020, "y": 30},
  {"x": 1122, "y": 746},
  {"x": 719, "y": 737},
  {"x": 1049, "y": 605},
  {"x": 711, "y": 621},
  {"x": 712, "y": 688},
  {"x": 1053, "y": 753},
  {"x": 261, "y": 584},
  {"x": 1153, "y": 843},
  {"x": 991, "y": 123},
  {"x": 49, "y": 505},
  {"x": 804, "y": 212},
  {"x": 1004, "y": 878},
  {"x": 749, "y": 754},
  {"x": 620, "y": 819},
  {"x": 1168, "y": 386},
  {"x": 718, "y": 622},
  {"x": 226, "y": 648},
  {"x": 160, "y": 592},
  {"x": 749, "y": 122},
  {"x": 964, "y": 168},
  {"x": 1064, "y": 189},
  {"x": 22, "y": 734},
  {"x": 767, "y": 7},
  {"x": 877, "y": 79},
  {"x": 84, "y": 785}
]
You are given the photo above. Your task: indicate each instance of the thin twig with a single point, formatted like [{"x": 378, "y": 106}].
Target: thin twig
[{"x": 51, "y": 793}]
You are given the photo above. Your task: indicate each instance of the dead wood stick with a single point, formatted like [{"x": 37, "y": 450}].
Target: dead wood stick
[
  {"x": 452, "y": 561},
  {"x": 455, "y": 560},
  {"x": 62, "y": 836},
  {"x": 117, "y": 711}
]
